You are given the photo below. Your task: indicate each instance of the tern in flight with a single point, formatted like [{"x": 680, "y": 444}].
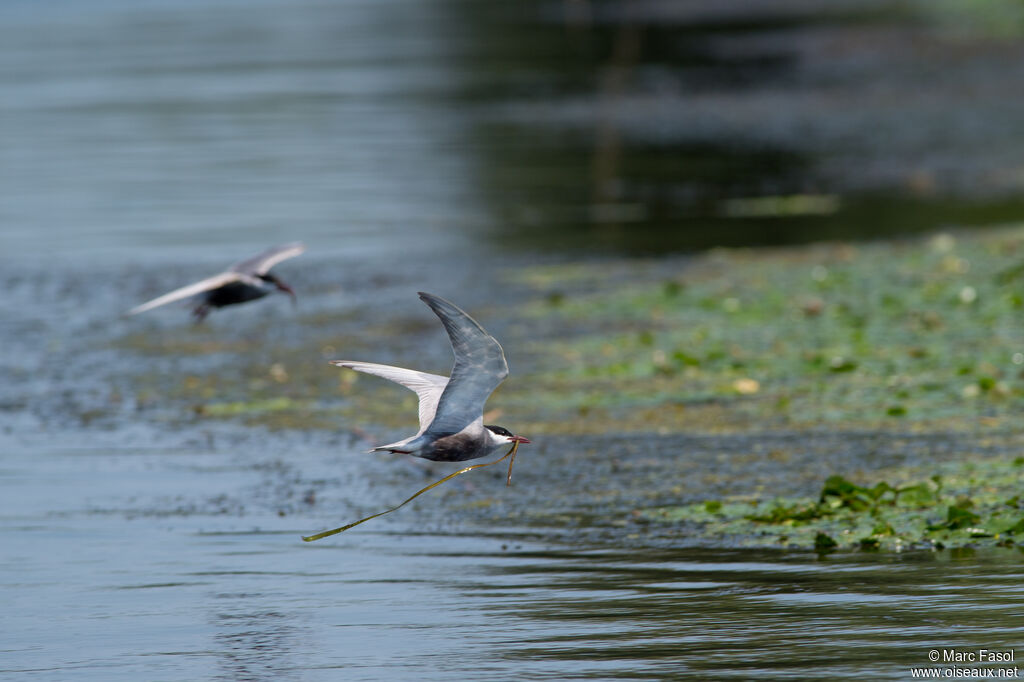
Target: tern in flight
[
  {"x": 244, "y": 281},
  {"x": 451, "y": 408}
]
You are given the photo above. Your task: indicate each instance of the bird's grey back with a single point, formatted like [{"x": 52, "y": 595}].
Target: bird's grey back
[{"x": 479, "y": 367}]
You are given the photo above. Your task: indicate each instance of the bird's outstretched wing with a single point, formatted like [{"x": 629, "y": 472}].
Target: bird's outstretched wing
[
  {"x": 427, "y": 386},
  {"x": 260, "y": 264},
  {"x": 479, "y": 367},
  {"x": 199, "y": 287}
]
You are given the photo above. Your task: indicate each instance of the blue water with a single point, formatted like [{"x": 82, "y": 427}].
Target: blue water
[
  {"x": 159, "y": 126},
  {"x": 96, "y": 586},
  {"x": 155, "y": 564}
]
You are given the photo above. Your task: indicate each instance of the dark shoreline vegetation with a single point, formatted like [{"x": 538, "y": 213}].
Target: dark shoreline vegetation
[{"x": 913, "y": 337}]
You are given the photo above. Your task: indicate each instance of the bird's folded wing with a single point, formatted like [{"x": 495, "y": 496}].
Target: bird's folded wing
[
  {"x": 427, "y": 386},
  {"x": 185, "y": 292},
  {"x": 260, "y": 264},
  {"x": 479, "y": 367}
]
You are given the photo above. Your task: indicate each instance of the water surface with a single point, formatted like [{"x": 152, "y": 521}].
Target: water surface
[
  {"x": 436, "y": 146},
  {"x": 156, "y": 564}
]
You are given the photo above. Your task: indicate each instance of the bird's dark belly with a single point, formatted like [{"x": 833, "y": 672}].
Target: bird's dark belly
[
  {"x": 236, "y": 292},
  {"x": 456, "y": 448}
]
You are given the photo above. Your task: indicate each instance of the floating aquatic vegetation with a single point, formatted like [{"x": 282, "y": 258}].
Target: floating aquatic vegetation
[
  {"x": 918, "y": 332},
  {"x": 968, "y": 505},
  {"x": 240, "y": 408}
]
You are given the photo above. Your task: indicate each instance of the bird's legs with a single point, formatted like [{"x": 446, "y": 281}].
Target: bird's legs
[{"x": 200, "y": 312}]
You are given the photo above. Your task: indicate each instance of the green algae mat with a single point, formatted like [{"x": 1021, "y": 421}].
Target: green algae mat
[
  {"x": 967, "y": 505},
  {"x": 921, "y": 333},
  {"x": 919, "y": 336},
  {"x": 916, "y": 337}
]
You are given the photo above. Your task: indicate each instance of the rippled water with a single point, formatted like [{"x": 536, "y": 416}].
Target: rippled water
[
  {"x": 146, "y": 144},
  {"x": 100, "y": 584}
]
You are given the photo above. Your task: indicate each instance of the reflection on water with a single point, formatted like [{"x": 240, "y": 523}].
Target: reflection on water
[
  {"x": 771, "y": 615},
  {"x": 253, "y": 643},
  {"x": 635, "y": 127},
  {"x": 578, "y": 126}
]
